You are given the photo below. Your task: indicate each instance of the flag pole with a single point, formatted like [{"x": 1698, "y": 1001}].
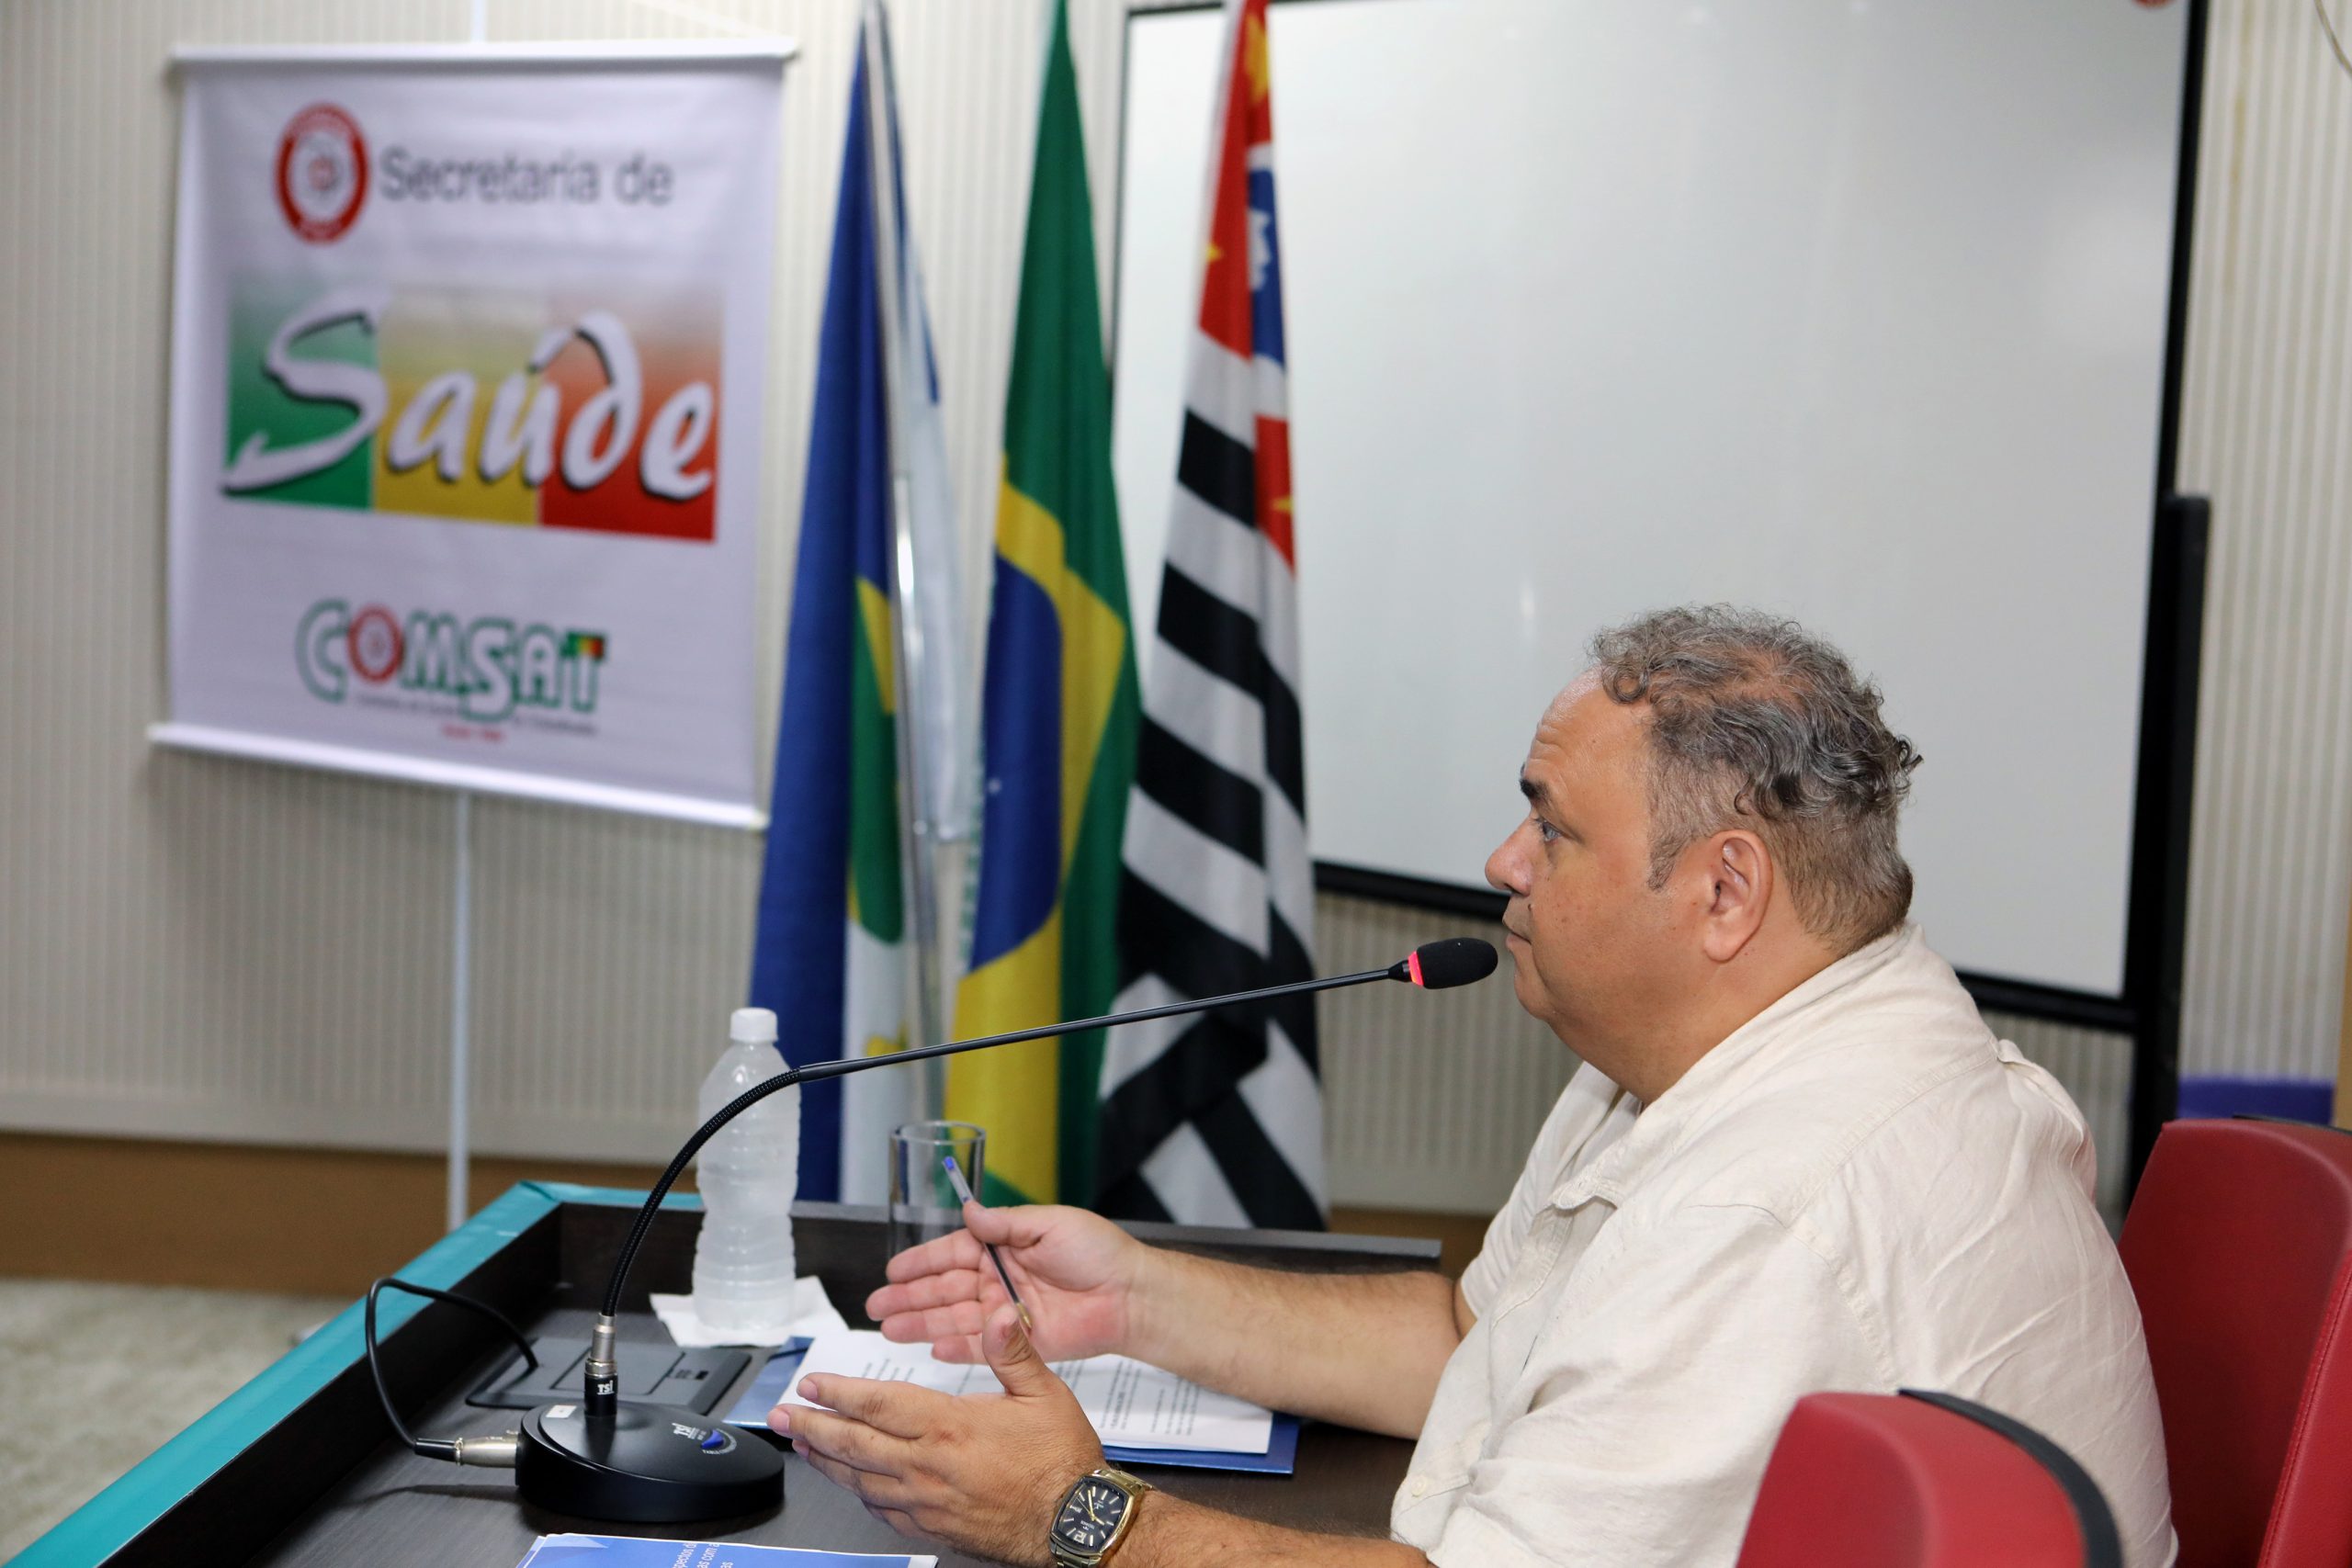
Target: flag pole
[{"x": 917, "y": 834}]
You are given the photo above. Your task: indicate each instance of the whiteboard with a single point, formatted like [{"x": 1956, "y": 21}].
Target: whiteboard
[{"x": 1855, "y": 312}]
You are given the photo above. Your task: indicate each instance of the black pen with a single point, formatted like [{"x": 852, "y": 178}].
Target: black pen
[{"x": 963, "y": 1193}]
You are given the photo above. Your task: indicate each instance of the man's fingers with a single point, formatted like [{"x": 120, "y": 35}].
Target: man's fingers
[
  {"x": 849, "y": 1478},
  {"x": 903, "y": 1522},
  {"x": 847, "y": 1441},
  {"x": 956, "y": 1250},
  {"x": 962, "y": 1349},
  {"x": 939, "y": 1323},
  {"x": 900, "y": 1409},
  {"x": 924, "y": 1292}
]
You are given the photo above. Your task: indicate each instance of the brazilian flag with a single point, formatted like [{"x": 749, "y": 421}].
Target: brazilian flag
[{"x": 1059, "y": 703}]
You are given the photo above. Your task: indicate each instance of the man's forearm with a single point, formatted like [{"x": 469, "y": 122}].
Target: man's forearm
[
  {"x": 1171, "y": 1533},
  {"x": 1363, "y": 1349}
]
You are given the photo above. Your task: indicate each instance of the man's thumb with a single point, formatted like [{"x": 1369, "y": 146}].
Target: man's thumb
[
  {"x": 1011, "y": 1357},
  {"x": 988, "y": 1224}
]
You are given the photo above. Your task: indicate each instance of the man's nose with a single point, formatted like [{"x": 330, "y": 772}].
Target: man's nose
[{"x": 1505, "y": 867}]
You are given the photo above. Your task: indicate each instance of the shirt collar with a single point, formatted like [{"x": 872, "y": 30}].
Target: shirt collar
[{"x": 1660, "y": 1127}]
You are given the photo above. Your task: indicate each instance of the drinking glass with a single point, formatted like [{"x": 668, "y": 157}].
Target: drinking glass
[{"x": 923, "y": 1204}]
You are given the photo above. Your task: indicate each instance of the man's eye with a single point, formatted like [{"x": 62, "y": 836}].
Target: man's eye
[{"x": 1545, "y": 831}]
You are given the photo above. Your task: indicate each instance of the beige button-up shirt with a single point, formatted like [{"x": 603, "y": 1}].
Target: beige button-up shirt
[{"x": 1860, "y": 1188}]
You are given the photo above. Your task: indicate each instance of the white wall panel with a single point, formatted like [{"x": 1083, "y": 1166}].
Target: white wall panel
[
  {"x": 217, "y": 948},
  {"x": 198, "y": 947},
  {"x": 2267, "y": 431},
  {"x": 179, "y": 936}
]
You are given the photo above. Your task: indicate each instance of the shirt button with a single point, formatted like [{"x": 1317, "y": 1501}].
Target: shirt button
[{"x": 1421, "y": 1487}]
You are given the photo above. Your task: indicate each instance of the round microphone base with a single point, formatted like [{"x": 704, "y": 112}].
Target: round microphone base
[{"x": 649, "y": 1464}]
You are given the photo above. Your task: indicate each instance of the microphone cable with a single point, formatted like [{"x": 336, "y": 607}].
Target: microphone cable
[{"x": 496, "y": 1451}]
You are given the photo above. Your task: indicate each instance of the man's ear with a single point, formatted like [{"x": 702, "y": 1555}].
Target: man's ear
[{"x": 1739, "y": 889}]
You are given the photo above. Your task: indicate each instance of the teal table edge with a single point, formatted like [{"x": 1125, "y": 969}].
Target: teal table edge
[{"x": 110, "y": 1521}]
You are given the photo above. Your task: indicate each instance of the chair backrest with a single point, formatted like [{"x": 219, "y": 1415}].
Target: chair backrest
[
  {"x": 2239, "y": 1245},
  {"x": 1923, "y": 1480}
]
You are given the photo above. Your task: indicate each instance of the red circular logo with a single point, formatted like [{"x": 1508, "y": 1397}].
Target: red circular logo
[
  {"x": 322, "y": 172},
  {"x": 376, "y": 644}
]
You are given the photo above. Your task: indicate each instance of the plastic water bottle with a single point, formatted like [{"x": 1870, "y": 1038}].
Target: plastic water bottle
[{"x": 744, "y": 1263}]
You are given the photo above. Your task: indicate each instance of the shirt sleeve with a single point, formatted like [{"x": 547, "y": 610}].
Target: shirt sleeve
[
  {"x": 1659, "y": 1391},
  {"x": 1492, "y": 1266},
  {"x": 1584, "y": 1101}
]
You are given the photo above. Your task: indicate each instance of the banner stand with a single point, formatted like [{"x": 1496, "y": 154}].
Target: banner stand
[
  {"x": 461, "y": 956},
  {"x": 462, "y": 987},
  {"x": 351, "y": 286}
]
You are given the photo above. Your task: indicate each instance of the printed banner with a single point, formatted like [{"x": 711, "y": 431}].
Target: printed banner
[{"x": 466, "y": 390}]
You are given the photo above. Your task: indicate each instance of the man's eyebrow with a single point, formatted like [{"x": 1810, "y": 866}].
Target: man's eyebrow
[{"x": 1537, "y": 795}]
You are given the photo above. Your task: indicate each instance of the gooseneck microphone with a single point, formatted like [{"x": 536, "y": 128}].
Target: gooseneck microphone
[
  {"x": 1440, "y": 966},
  {"x": 606, "y": 1459}
]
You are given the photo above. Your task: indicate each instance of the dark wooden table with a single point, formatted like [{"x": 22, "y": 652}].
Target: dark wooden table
[{"x": 300, "y": 1469}]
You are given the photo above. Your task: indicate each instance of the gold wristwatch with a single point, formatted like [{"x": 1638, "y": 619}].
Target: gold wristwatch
[{"x": 1094, "y": 1517}]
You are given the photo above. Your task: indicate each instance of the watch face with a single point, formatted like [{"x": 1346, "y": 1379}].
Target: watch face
[{"x": 1090, "y": 1514}]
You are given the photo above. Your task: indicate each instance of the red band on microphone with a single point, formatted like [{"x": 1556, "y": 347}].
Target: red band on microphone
[{"x": 1413, "y": 966}]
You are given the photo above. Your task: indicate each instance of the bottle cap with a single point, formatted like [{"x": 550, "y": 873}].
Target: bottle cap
[{"x": 751, "y": 1026}]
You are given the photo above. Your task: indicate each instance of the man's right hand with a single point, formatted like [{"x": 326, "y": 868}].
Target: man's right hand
[{"x": 1076, "y": 1272}]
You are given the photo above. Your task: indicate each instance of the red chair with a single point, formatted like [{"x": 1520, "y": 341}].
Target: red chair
[
  {"x": 2239, "y": 1245},
  {"x": 1923, "y": 1480}
]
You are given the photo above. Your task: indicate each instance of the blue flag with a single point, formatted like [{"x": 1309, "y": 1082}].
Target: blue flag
[{"x": 830, "y": 954}]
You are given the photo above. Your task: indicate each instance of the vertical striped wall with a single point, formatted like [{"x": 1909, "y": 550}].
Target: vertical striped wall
[
  {"x": 2266, "y": 432},
  {"x": 204, "y": 948}
]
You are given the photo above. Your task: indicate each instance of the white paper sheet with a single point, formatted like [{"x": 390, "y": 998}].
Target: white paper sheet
[
  {"x": 1132, "y": 1406},
  {"x": 812, "y": 1313}
]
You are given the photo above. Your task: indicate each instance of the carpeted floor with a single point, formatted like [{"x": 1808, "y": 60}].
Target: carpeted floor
[{"x": 122, "y": 1367}]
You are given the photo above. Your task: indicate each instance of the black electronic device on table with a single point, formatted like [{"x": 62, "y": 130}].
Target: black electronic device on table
[
  {"x": 650, "y": 1372},
  {"x": 598, "y": 1455}
]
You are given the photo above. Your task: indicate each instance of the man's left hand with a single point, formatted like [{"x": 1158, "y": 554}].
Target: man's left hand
[{"x": 980, "y": 1472}]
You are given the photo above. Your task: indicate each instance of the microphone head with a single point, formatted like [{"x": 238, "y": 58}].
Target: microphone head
[{"x": 1456, "y": 961}]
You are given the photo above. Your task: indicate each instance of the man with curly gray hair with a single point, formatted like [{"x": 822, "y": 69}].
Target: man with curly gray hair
[
  {"x": 1793, "y": 1159},
  {"x": 1753, "y": 717}
]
